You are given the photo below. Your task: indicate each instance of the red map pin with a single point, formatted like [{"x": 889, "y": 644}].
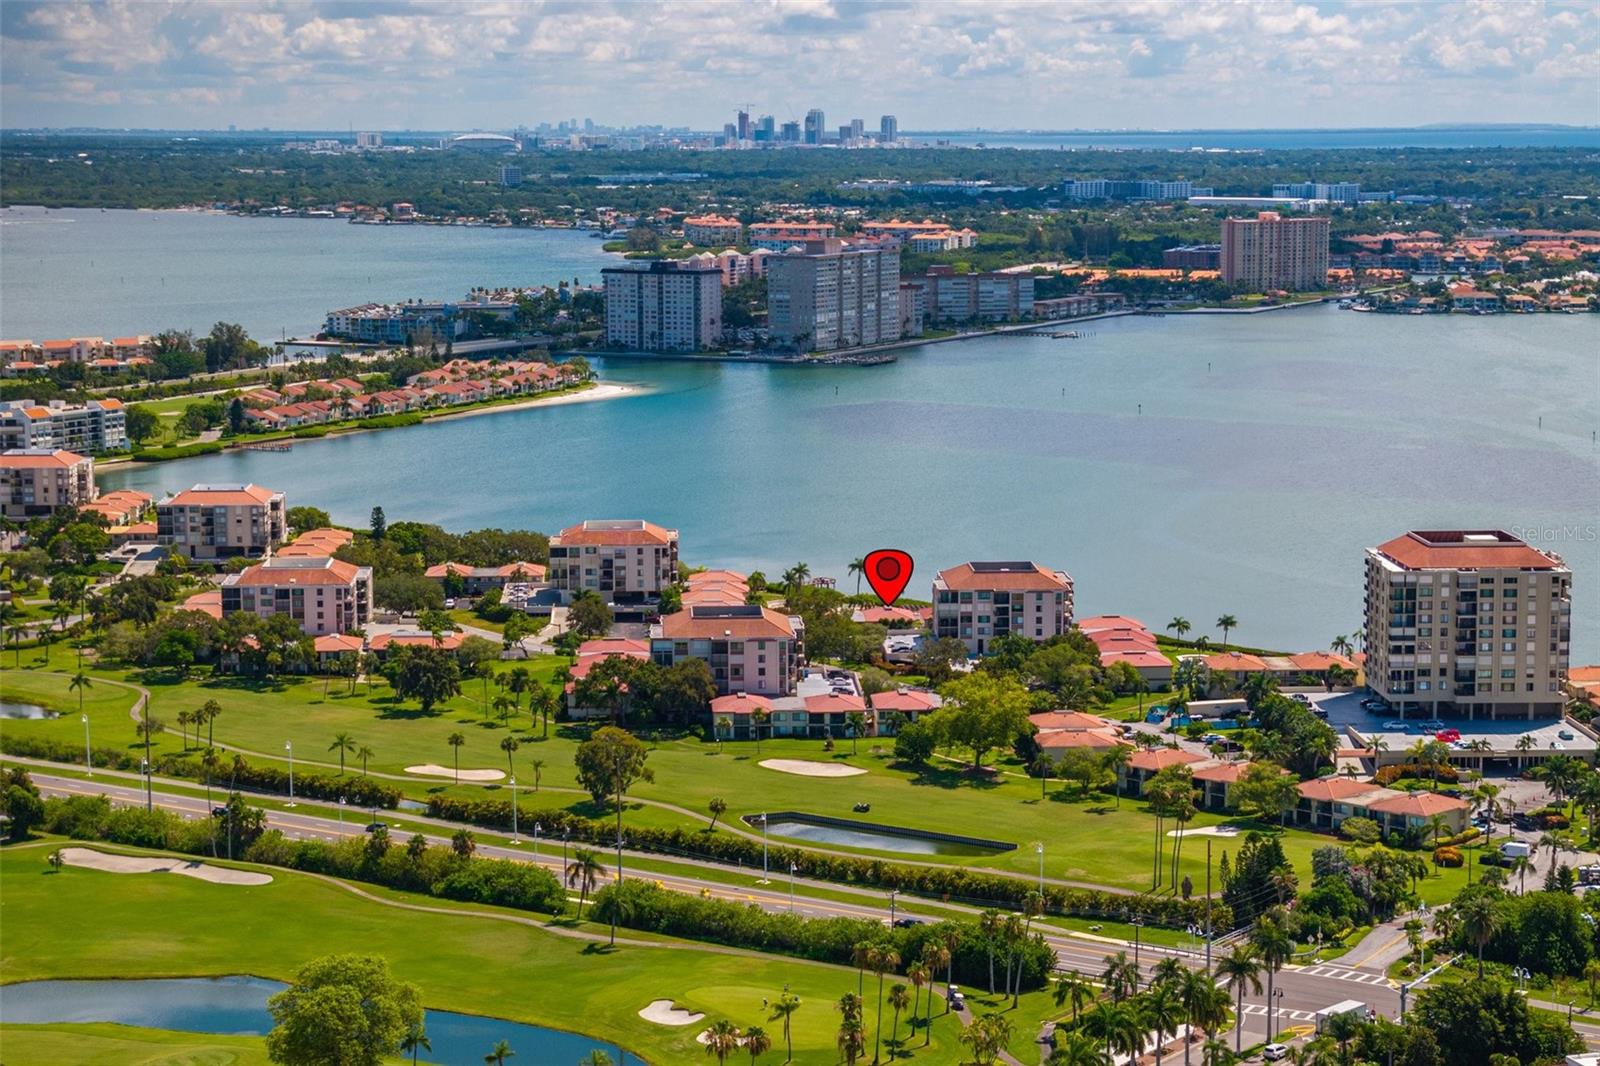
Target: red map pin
[{"x": 888, "y": 572}]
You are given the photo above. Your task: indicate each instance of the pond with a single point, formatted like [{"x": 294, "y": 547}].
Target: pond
[
  {"x": 10, "y": 709},
  {"x": 822, "y": 830},
  {"x": 238, "y": 1006}
]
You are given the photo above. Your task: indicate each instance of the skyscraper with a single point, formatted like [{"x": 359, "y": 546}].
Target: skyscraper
[
  {"x": 815, "y": 125},
  {"x": 888, "y": 129},
  {"x": 858, "y": 129},
  {"x": 744, "y": 125}
]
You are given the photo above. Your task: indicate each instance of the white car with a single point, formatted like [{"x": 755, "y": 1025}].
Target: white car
[{"x": 1274, "y": 1052}]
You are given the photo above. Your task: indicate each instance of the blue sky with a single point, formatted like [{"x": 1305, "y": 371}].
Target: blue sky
[{"x": 391, "y": 64}]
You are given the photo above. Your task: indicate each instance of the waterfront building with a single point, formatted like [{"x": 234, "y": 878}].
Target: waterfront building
[
  {"x": 1467, "y": 623},
  {"x": 1128, "y": 640},
  {"x": 750, "y": 648},
  {"x": 737, "y": 267},
  {"x": 888, "y": 129},
  {"x": 913, "y": 309},
  {"x": 95, "y": 427},
  {"x": 781, "y": 236},
  {"x": 663, "y": 306},
  {"x": 979, "y": 602},
  {"x": 975, "y": 297},
  {"x": 707, "y": 230},
  {"x": 404, "y": 323},
  {"x": 324, "y": 541},
  {"x": 622, "y": 560},
  {"x": 476, "y": 580},
  {"x": 1073, "y": 306},
  {"x": 120, "y": 508},
  {"x": 1271, "y": 252},
  {"x": 116, "y": 353},
  {"x": 211, "y": 522},
  {"x": 822, "y": 296},
  {"x": 816, "y": 126},
  {"x": 1193, "y": 257},
  {"x": 40, "y": 481},
  {"x": 323, "y": 595}
]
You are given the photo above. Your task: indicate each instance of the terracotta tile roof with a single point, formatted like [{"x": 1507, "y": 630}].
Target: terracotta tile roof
[
  {"x": 38, "y": 459},
  {"x": 616, "y": 531},
  {"x": 1098, "y": 622},
  {"x": 1157, "y": 759},
  {"x": 871, "y": 615},
  {"x": 1051, "y": 721},
  {"x": 1225, "y": 772},
  {"x": 208, "y": 602},
  {"x": 1464, "y": 550},
  {"x": 336, "y": 644},
  {"x": 1141, "y": 659},
  {"x": 1331, "y": 789},
  {"x": 1584, "y": 675},
  {"x": 222, "y": 496},
  {"x": 318, "y": 570},
  {"x": 1417, "y": 804},
  {"x": 606, "y": 646},
  {"x": 1003, "y": 576},
  {"x": 1235, "y": 662},
  {"x": 447, "y": 641},
  {"x": 1096, "y": 739},
  {"x": 905, "y": 700},
  {"x": 714, "y": 622},
  {"x": 834, "y": 703},
  {"x": 1313, "y": 661},
  {"x": 739, "y": 703}
]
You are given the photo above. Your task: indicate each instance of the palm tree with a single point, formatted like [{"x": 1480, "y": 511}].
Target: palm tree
[
  {"x": 509, "y": 745},
  {"x": 538, "y": 771},
  {"x": 1342, "y": 645},
  {"x": 455, "y": 740},
  {"x": 1479, "y": 919},
  {"x": 899, "y": 999},
  {"x": 721, "y": 1039},
  {"x": 718, "y": 807},
  {"x": 1239, "y": 970},
  {"x": 1077, "y": 1049},
  {"x": 1121, "y": 976},
  {"x": 1073, "y": 987},
  {"x": 1179, "y": 625},
  {"x": 917, "y": 973},
  {"x": 1205, "y": 1005},
  {"x": 858, "y": 567},
  {"x": 499, "y": 1053},
  {"x": 784, "y": 1010},
  {"x": 1116, "y": 1027},
  {"x": 989, "y": 924},
  {"x": 183, "y": 726},
  {"x": 1225, "y": 623},
  {"x": 210, "y": 708},
  {"x": 210, "y": 762},
  {"x": 1169, "y": 971},
  {"x": 881, "y": 958},
  {"x": 852, "y": 1038},
  {"x": 416, "y": 1040},
  {"x": 1164, "y": 1013},
  {"x": 1274, "y": 947},
  {"x": 1520, "y": 866},
  {"x": 858, "y": 727},
  {"x": 364, "y": 753},
  {"x": 756, "y": 1042},
  {"x": 758, "y": 719},
  {"x": 583, "y": 872},
  {"x": 342, "y": 743},
  {"x": 80, "y": 681}
]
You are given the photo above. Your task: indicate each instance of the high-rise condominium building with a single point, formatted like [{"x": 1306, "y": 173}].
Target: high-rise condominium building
[
  {"x": 213, "y": 522},
  {"x": 816, "y": 126},
  {"x": 1467, "y": 623},
  {"x": 826, "y": 296},
  {"x": 621, "y": 560},
  {"x": 97, "y": 426},
  {"x": 1272, "y": 252},
  {"x": 977, "y": 603},
  {"x": 888, "y": 129},
  {"x": 663, "y": 306},
  {"x": 40, "y": 481}
]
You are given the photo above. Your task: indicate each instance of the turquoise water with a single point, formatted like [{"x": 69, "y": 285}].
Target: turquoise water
[
  {"x": 238, "y": 1006},
  {"x": 1193, "y": 465},
  {"x": 76, "y": 272}
]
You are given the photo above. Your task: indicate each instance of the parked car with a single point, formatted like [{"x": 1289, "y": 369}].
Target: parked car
[{"x": 1275, "y": 1052}]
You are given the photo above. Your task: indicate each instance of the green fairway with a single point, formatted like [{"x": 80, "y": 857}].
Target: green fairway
[
  {"x": 82, "y": 924},
  {"x": 1095, "y": 839},
  {"x": 119, "y": 1045}
]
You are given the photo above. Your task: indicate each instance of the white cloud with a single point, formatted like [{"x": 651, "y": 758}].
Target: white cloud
[{"x": 482, "y": 63}]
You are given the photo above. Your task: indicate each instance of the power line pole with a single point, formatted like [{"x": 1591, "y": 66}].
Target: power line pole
[{"x": 1208, "y": 904}]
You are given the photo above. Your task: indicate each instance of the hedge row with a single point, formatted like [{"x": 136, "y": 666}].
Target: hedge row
[
  {"x": 235, "y": 772},
  {"x": 646, "y": 907},
  {"x": 177, "y": 451},
  {"x": 939, "y": 882},
  {"x": 1388, "y": 775}
]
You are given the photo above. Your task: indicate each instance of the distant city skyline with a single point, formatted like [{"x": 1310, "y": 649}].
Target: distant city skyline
[{"x": 414, "y": 64}]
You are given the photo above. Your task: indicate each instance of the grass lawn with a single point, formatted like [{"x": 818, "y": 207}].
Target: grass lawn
[
  {"x": 82, "y": 923},
  {"x": 117, "y": 1045},
  {"x": 1092, "y": 839}
]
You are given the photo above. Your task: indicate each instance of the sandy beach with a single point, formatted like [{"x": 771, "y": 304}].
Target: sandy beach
[{"x": 605, "y": 390}]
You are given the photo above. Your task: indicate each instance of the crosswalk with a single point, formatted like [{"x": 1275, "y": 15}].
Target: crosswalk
[
  {"x": 1258, "y": 1009},
  {"x": 1340, "y": 973}
]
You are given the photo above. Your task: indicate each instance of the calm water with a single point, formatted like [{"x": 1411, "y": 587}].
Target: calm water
[
  {"x": 77, "y": 272},
  {"x": 906, "y": 843},
  {"x": 11, "y": 709},
  {"x": 1193, "y": 465},
  {"x": 238, "y": 1006},
  {"x": 1440, "y": 137}
]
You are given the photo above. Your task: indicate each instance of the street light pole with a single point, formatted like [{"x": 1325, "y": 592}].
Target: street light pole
[
  {"x": 88, "y": 759},
  {"x": 1277, "y": 1009},
  {"x": 288, "y": 746},
  {"x": 763, "y": 849},
  {"x": 149, "y": 797},
  {"x": 792, "y": 869},
  {"x": 1039, "y": 847},
  {"x": 619, "y": 858},
  {"x": 1138, "y": 923},
  {"x": 341, "y": 817},
  {"x": 514, "y": 839},
  {"x": 891, "y": 908},
  {"x": 566, "y": 834}
]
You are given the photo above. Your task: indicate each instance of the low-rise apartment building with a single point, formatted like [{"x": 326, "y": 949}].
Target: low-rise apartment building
[
  {"x": 663, "y": 306},
  {"x": 40, "y": 481},
  {"x": 119, "y": 507},
  {"x": 707, "y": 230},
  {"x": 321, "y": 594},
  {"x": 781, "y": 236},
  {"x": 621, "y": 560},
  {"x": 95, "y": 427},
  {"x": 1467, "y": 624},
  {"x": 979, "y": 602},
  {"x": 210, "y": 522},
  {"x": 476, "y": 580},
  {"x": 750, "y": 648}
]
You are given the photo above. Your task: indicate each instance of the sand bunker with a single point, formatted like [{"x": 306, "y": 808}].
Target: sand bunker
[
  {"x": 1209, "y": 831},
  {"x": 150, "y": 864},
  {"x": 662, "y": 1012},
  {"x": 807, "y": 768},
  {"x": 435, "y": 770}
]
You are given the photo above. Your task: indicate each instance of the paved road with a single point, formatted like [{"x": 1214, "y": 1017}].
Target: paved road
[{"x": 1305, "y": 989}]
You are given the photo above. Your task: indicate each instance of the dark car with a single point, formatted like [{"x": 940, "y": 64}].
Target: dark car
[
  {"x": 375, "y": 826},
  {"x": 905, "y": 923},
  {"x": 219, "y": 812}
]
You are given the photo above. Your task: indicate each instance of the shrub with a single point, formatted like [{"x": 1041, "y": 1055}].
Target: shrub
[
  {"x": 1466, "y": 836},
  {"x": 1447, "y": 856},
  {"x": 1360, "y": 830}
]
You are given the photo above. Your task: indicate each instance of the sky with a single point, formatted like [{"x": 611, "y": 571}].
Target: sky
[{"x": 421, "y": 64}]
